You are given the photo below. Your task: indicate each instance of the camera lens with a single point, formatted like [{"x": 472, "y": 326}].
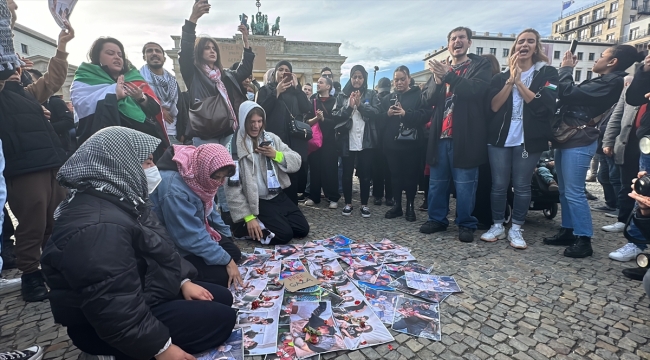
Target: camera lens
[
  {"x": 642, "y": 186},
  {"x": 644, "y": 145},
  {"x": 642, "y": 260}
]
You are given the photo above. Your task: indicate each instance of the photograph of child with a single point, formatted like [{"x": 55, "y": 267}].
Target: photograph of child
[
  {"x": 386, "y": 244},
  {"x": 367, "y": 273},
  {"x": 253, "y": 260},
  {"x": 291, "y": 267},
  {"x": 319, "y": 251},
  {"x": 398, "y": 269},
  {"x": 419, "y": 318},
  {"x": 335, "y": 242},
  {"x": 266, "y": 251},
  {"x": 391, "y": 256},
  {"x": 254, "y": 318},
  {"x": 314, "y": 330},
  {"x": 259, "y": 339},
  {"x": 383, "y": 304},
  {"x": 288, "y": 251},
  {"x": 232, "y": 349},
  {"x": 400, "y": 285},
  {"x": 269, "y": 271},
  {"x": 361, "y": 248},
  {"x": 245, "y": 295},
  {"x": 431, "y": 282}
]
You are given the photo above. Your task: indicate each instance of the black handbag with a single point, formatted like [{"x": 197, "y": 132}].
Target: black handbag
[
  {"x": 406, "y": 134},
  {"x": 297, "y": 128}
]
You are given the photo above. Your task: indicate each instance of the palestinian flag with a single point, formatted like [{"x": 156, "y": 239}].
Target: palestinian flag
[
  {"x": 548, "y": 85},
  {"x": 91, "y": 84}
]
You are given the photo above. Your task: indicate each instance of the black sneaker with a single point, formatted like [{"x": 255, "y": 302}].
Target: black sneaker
[
  {"x": 33, "y": 287},
  {"x": 603, "y": 208},
  {"x": 635, "y": 273},
  {"x": 466, "y": 234},
  {"x": 377, "y": 201},
  {"x": 347, "y": 210},
  {"x": 564, "y": 237},
  {"x": 390, "y": 202},
  {"x": 580, "y": 249},
  {"x": 365, "y": 212},
  {"x": 431, "y": 227},
  {"x": 394, "y": 212},
  {"x": 32, "y": 353}
]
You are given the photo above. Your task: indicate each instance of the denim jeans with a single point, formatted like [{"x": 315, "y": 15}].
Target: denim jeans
[
  {"x": 610, "y": 179},
  {"x": 225, "y": 141},
  {"x": 633, "y": 230},
  {"x": 3, "y": 197},
  {"x": 546, "y": 174},
  {"x": 503, "y": 162},
  {"x": 465, "y": 181},
  {"x": 572, "y": 165}
]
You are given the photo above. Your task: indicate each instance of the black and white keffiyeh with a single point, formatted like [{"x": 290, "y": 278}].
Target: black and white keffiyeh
[
  {"x": 165, "y": 87},
  {"x": 110, "y": 161},
  {"x": 8, "y": 58}
]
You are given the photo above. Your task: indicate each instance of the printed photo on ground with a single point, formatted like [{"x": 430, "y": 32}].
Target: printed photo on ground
[{"x": 418, "y": 318}]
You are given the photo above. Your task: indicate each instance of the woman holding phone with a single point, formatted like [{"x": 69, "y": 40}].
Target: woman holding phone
[
  {"x": 260, "y": 208},
  {"x": 522, "y": 101},
  {"x": 323, "y": 162},
  {"x": 357, "y": 135},
  {"x": 401, "y": 112},
  {"x": 205, "y": 77},
  {"x": 283, "y": 101},
  {"x": 581, "y": 105}
]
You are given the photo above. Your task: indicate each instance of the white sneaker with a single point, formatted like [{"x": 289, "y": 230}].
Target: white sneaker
[
  {"x": 309, "y": 202},
  {"x": 626, "y": 253},
  {"x": 334, "y": 205},
  {"x": 496, "y": 232},
  {"x": 615, "y": 227},
  {"x": 9, "y": 285},
  {"x": 516, "y": 239}
]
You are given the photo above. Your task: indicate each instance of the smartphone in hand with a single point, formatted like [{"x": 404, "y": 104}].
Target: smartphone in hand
[
  {"x": 574, "y": 46},
  {"x": 288, "y": 77},
  {"x": 265, "y": 143}
]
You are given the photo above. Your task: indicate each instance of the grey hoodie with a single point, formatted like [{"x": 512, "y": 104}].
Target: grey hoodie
[{"x": 243, "y": 198}]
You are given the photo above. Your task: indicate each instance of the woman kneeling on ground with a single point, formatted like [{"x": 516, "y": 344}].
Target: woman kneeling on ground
[
  {"x": 260, "y": 208},
  {"x": 116, "y": 281},
  {"x": 184, "y": 203}
]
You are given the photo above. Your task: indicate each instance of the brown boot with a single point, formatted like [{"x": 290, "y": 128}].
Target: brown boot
[{"x": 552, "y": 186}]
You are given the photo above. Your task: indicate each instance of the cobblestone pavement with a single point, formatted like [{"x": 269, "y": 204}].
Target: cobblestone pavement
[{"x": 530, "y": 304}]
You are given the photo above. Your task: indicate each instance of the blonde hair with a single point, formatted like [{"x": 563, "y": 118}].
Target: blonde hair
[{"x": 538, "y": 55}]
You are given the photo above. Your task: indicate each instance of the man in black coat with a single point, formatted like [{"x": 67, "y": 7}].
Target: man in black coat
[{"x": 457, "y": 140}]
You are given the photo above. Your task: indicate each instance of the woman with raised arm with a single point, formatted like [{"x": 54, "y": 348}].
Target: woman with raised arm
[{"x": 522, "y": 101}]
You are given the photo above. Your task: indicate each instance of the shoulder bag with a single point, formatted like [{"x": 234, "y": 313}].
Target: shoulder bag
[
  {"x": 297, "y": 128},
  {"x": 210, "y": 118}
]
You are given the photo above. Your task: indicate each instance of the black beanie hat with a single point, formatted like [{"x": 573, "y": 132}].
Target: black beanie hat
[
  {"x": 284, "y": 62},
  {"x": 383, "y": 84}
]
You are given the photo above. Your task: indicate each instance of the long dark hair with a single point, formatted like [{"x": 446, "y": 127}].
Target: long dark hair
[
  {"x": 199, "y": 46},
  {"x": 97, "y": 47}
]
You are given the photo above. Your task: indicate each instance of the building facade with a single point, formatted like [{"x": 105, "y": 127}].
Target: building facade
[
  {"x": 307, "y": 58},
  {"x": 500, "y": 45},
  {"x": 601, "y": 21},
  {"x": 39, "y": 49}
]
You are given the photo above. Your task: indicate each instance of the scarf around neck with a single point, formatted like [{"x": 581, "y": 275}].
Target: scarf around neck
[
  {"x": 110, "y": 161},
  {"x": 8, "y": 58},
  {"x": 165, "y": 87},
  {"x": 196, "y": 165},
  {"x": 215, "y": 76}
]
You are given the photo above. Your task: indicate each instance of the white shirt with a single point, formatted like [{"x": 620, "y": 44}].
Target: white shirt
[
  {"x": 356, "y": 133},
  {"x": 516, "y": 131}
]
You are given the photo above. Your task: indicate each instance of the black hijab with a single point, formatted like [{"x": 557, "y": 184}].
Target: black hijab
[{"x": 348, "y": 89}]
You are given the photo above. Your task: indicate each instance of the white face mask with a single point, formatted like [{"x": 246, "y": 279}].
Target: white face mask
[
  {"x": 250, "y": 96},
  {"x": 153, "y": 178}
]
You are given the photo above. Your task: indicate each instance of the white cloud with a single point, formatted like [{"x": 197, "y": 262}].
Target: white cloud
[{"x": 380, "y": 32}]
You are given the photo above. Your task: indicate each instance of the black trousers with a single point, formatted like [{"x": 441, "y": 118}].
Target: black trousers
[
  {"x": 195, "y": 326},
  {"x": 629, "y": 170},
  {"x": 404, "y": 168},
  {"x": 215, "y": 274},
  {"x": 323, "y": 168},
  {"x": 363, "y": 161},
  {"x": 483, "y": 206},
  {"x": 381, "y": 178},
  {"x": 282, "y": 217},
  {"x": 298, "y": 183}
]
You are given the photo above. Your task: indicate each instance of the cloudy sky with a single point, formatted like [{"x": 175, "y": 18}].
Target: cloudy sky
[{"x": 380, "y": 32}]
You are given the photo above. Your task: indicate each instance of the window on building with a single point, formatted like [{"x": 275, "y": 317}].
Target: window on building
[
  {"x": 479, "y": 51},
  {"x": 613, "y": 7},
  {"x": 611, "y": 23},
  {"x": 558, "y": 28},
  {"x": 24, "y": 49},
  {"x": 597, "y": 30},
  {"x": 506, "y": 52},
  {"x": 634, "y": 33},
  {"x": 580, "y": 55},
  {"x": 634, "y": 4},
  {"x": 493, "y": 51},
  {"x": 571, "y": 24},
  {"x": 610, "y": 37},
  {"x": 556, "y": 54},
  {"x": 583, "y": 19},
  {"x": 589, "y": 75},
  {"x": 599, "y": 13},
  {"x": 571, "y": 36},
  {"x": 583, "y": 34},
  {"x": 578, "y": 75},
  {"x": 592, "y": 56}
]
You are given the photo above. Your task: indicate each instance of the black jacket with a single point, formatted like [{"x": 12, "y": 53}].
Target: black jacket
[
  {"x": 280, "y": 110},
  {"x": 469, "y": 118},
  {"x": 183, "y": 118},
  {"x": 62, "y": 121},
  {"x": 579, "y": 104},
  {"x": 329, "y": 119},
  {"x": 197, "y": 82},
  {"x": 537, "y": 115},
  {"x": 416, "y": 117},
  {"x": 29, "y": 142},
  {"x": 635, "y": 96},
  {"x": 369, "y": 109},
  {"x": 107, "y": 264}
]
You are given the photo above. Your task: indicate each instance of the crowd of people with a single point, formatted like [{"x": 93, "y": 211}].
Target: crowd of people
[{"x": 133, "y": 220}]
